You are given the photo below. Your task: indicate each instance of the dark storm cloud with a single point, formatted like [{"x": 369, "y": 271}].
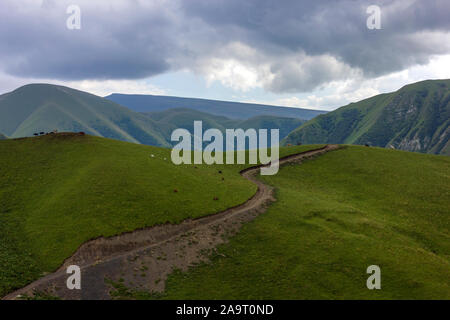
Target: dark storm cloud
[
  {"x": 112, "y": 43},
  {"x": 337, "y": 28},
  {"x": 304, "y": 43}
]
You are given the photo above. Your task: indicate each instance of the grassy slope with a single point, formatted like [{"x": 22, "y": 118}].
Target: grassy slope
[
  {"x": 57, "y": 192},
  {"x": 413, "y": 118},
  {"x": 335, "y": 216},
  {"x": 285, "y": 125},
  {"x": 172, "y": 119},
  {"x": 42, "y": 107}
]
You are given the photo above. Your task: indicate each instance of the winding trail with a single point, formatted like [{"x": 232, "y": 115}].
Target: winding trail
[{"x": 143, "y": 259}]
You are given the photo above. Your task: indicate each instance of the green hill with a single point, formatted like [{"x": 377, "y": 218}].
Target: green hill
[
  {"x": 172, "y": 119},
  {"x": 414, "y": 118},
  {"x": 285, "y": 125},
  {"x": 59, "y": 191},
  {"x": 335, "y": 216},
  {"x": 42, "y": 108}
]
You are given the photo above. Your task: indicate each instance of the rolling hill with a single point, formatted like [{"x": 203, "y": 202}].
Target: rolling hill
[
  {"x": 3, "y": 137},
  {"x": 43, "y": 108},
  {"x": 414, "y": 118},
  {"x": 59, "y": 191},
  {"x": 172, "y": 119},
  {"x": 236, "y": 110},
  {"x": 359, "y": 206},
  {"x": 335, "y": 216}
]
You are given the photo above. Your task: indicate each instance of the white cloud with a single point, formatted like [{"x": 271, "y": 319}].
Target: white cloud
[
  {"x": 339, "y": 93},
  {"x": 236, "y": 66},
  {"x": 98, "y": 87},
  {"x": 106, "y": 87},
  {"x": 232, "y": 74},
  {"x": 300, "y": 72},
  {"x": 241, "y": 67}
]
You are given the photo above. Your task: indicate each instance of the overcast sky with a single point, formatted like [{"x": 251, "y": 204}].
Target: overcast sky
[{"x": 311, "y": 54}]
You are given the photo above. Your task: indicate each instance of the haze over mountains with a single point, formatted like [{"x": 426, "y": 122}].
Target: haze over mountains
[
  {"x": 237, "y": 110},
  {"x": 43, "y": 107},
  {"x": 414, "y": 118}
]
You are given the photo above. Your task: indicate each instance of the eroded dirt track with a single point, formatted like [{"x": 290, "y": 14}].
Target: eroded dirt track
[{"x": 143, "y": 259}]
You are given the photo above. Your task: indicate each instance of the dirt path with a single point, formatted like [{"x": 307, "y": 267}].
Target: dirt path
[{"x": 143, "y": 259}]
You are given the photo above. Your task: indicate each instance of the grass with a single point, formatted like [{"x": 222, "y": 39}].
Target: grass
[
  {"x": 57, "y": 192},
  {"x": 335, "y": 216}
]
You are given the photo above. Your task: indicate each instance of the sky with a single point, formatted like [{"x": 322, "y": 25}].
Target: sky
[{"x": 310, "y": 54}]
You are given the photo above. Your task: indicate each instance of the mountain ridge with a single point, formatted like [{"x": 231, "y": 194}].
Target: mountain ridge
[
  {"x": 414, "y": 118},
  {"x": 42, "y": 107},
  {"x": 237, "y": 110},
  {"x": 37, "y": 108}
]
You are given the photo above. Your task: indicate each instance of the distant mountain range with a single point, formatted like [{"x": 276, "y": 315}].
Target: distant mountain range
[
  {"x": 414, "y": 118},
  {"x": 235, "y": 110},
  {"x": 43, "y": 108},
  {"x": 172, "y": 119},
  {"x": 3, "y": 137}
]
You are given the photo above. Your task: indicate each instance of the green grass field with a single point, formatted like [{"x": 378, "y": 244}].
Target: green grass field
[
  {"x": 335, "y": 216},
  {"x": 57, "y": 192}
]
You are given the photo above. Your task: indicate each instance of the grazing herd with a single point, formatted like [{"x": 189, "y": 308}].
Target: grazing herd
[{"x": 42, "y": 133}]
